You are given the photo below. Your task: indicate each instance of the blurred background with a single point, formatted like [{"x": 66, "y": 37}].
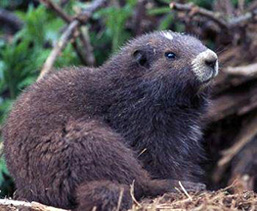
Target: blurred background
[{"x": 30, "y": 31}]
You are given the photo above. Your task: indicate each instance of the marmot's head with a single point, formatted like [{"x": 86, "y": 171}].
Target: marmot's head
[{"x": 169, "y": 62}]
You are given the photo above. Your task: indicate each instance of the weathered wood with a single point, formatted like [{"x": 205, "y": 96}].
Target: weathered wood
[
  {"x": 13, "y": 205},
  {"x": 237, "y": 102}
]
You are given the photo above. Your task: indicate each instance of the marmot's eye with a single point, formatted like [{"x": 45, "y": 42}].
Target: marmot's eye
[{"x": 170, "y": 55}]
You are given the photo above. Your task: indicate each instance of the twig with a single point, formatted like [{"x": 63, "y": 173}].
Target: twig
[
  {"x": 81, "y": 18},
  {"x": 79, "y": 53},
  {"x": 142, "y": 152},
  {"x": 195, "y": 10},
  {"x": 249, "y": 70},
  {"x": 68, "y": 19},
  {"x": 215, "y": 17},
  {"x": 84, "y": 38},
  {"x": 242, "y": 18},
  {"x": 87, "y": 47},
  {"x": 22, "y": 205},
  {"x": 57, "y": 10},
  {"x": 132, "y": 187},
  {"x": 120, "y": 199},
  {"x": 184, "y": 190},
  {"x": 86, "y": 14}
]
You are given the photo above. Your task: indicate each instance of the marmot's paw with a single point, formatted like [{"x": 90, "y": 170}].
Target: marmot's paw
[{"x": 191, "y": 186}]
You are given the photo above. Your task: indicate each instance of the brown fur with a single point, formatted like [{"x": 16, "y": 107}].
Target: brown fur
[{"x": 75, "y": 139}]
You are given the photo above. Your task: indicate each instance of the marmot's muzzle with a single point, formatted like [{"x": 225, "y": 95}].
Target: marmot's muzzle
[{"x": 205, "y": 65}]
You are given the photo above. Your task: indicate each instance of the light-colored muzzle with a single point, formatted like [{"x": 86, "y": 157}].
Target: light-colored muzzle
[{"x": 205, "y": 65}]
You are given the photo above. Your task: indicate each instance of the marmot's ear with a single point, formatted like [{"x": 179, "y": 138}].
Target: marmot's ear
[{"x": 141, "y": 58}]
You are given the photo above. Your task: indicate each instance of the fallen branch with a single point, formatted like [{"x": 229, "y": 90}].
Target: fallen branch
[
  {"x": 232, "y": 77},
  {"x": 245, "y": 136},
  {"x": 243, "y": 18},
  {"x": 249, "y": 70},
  {"x": 233, "y": 103},
  {"x": 243, "y": 167},
  {"x": 193, "y": 10},
  {"x": 8, "y": 204}
]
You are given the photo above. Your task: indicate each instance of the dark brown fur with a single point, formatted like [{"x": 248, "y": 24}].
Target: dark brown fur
[{"x": 80, "y": 137}]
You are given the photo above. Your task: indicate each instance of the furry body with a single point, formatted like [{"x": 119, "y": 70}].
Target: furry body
[{"x": 80, "y": 137}]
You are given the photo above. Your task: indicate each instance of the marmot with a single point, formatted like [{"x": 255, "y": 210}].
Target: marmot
[{"x": 80, "y": 137}]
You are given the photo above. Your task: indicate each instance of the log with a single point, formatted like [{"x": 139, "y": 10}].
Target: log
[{"x": 13, "y": 205}]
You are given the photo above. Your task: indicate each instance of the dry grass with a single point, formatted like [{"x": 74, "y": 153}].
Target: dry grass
[
  {"x": 216, "y": 201},
  {"x": 221, "y": 200}
]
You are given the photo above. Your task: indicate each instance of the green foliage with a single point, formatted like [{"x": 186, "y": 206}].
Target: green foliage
[
  {"x": 159, "y": 11},
  {"x": 115, "y": 19},
  {"x": 3, "y": 169},
  {"x": 168, "y": 18},
  {"x": 21, "y": 60},
  {"x": 5, "y": 180}
]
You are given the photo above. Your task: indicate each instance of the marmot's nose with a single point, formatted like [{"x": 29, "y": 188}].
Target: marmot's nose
[{"x": 211, "y": 62}]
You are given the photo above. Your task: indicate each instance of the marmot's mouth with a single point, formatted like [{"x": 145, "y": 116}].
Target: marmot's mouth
[{"x": 205, "y": 66}]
